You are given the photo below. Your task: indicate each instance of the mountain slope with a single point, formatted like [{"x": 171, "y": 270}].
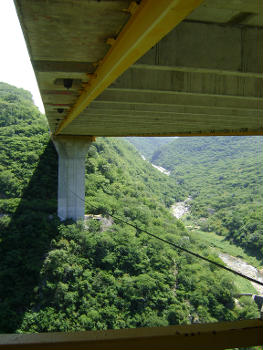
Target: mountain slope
[
  {"x": 63, "y": 276},
  {"x": 148, "y": 145},
  {"x": 224, "y": 175}
]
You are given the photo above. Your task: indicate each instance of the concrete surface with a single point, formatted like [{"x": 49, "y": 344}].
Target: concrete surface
[
  {"x": 204, "y": 77},
  {"x": 72, "y": 152}
]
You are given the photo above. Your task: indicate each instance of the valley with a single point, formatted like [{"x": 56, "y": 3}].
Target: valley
[
  {"x": 220, "y": 246},
  {"x": 224, "y": 176},
  {"x": 239, "y": 260},
  {"x": 66, "y": 276}
]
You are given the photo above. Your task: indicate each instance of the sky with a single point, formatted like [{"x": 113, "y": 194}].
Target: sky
[{"x": 15, "y": 66}]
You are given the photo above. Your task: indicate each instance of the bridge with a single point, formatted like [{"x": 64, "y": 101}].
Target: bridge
[{"x": 143, "y": 68}]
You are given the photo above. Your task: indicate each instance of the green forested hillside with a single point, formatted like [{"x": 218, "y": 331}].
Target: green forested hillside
[
  {"x": 58, "y": 276},
  {"x": 224, "y": 175},
  {"x": 148, "y": 145}
]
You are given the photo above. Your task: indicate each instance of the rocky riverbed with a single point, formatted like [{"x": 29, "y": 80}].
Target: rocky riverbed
[
  {"x": 181, "y": 208},
  {"x": 243, "y": 267}
]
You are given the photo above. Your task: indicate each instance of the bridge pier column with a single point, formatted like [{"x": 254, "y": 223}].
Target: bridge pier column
[{"x": 72, "y": 152}]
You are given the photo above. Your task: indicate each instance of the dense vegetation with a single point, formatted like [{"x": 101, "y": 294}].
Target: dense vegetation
[
  {"x": 224, "y": 176},
  {"x": 63, "y": 276},
  {"x": 28, "y": 185}
]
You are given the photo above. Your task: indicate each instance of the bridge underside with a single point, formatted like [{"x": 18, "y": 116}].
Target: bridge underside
[
  {"x": 186, "y": 84},
  {"x": 204, "y": 77}
]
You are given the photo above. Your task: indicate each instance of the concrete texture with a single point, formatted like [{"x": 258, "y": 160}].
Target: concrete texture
[
  {"x": 209, "y": 46},
  {"x": 205, "y": 76},
  {"x": 238, "y": 12},
  {"x": 72, "y": 152}
]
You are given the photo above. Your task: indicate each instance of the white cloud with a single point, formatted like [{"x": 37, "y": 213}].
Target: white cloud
[{"x": 15, "y": 65}]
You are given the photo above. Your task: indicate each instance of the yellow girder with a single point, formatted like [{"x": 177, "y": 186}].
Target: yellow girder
[{"x": 149, "y": 22}]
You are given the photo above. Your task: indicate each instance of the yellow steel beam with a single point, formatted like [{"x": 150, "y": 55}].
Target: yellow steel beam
[
  {"x": 212, "y": 336},
  {"x": 149, "y": 22}
]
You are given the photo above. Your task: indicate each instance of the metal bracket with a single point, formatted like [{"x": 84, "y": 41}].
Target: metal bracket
[{"x": 132, "y": 8}]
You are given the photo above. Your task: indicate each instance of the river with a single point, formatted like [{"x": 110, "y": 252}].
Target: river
[
  {"x": 243, "y": 267},
  {"x": 161, "y": 169},
  {"x": 181, "y": 208}
]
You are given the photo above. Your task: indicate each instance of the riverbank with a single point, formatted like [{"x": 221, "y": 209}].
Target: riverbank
[
  {"x": 220, "y": 244},
  {"x": 241, "y": 266},
  {"x": 233, "y": 256}
]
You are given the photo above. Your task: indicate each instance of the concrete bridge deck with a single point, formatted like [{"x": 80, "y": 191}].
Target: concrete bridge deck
[{"x": 203, "y": 77}]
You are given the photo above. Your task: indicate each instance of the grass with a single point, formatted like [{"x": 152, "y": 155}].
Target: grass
[
  {"x": 244, "y": 286},
  {"x": 219, "y": 244}
]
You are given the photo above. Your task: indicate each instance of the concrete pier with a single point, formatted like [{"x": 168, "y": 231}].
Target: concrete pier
[{"x": 72, "y": 152}]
